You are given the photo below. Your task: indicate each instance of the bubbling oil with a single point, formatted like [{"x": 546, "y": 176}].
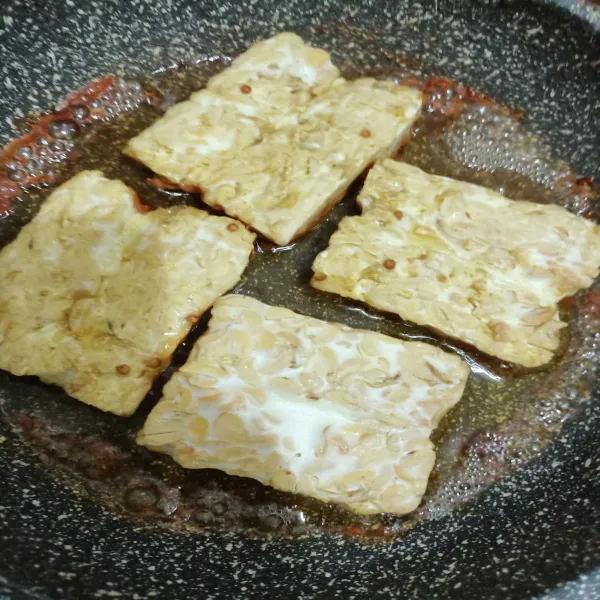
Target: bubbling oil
[
  {"x": 506, "y": 417},
  {"x": 485, "y": 140},
  {"x": 38, "y": 159}
]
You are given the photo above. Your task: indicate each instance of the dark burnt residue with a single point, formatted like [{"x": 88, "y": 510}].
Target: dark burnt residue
[{"x": 507, "y": 415}]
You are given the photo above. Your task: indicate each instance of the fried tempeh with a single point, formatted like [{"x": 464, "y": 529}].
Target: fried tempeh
[
  {"x": 96, "y": 295},
  {"x": 463, "y": 260},
  {"x": 276, "y": 139},
  {"x": 306, "y": 406}
]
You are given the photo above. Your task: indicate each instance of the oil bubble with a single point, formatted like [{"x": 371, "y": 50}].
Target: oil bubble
[
  {"x": 24, "y": 152},
  {"x": 80, "y": 112},
  {"x": 62, "y": 130}
]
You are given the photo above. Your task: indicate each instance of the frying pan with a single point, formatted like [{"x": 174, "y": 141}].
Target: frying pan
[{"x": 534, "y": 533}]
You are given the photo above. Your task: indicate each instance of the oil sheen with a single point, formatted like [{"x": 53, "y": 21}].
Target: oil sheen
[{"x": 506, "y": 417}]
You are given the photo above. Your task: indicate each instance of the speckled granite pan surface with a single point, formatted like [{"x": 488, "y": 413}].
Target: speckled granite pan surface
[{"x": 533, "y": 534}]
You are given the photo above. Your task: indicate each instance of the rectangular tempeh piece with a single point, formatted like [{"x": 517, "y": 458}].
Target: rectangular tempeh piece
[
  {"x": 276, "y": 139},
  {"x": 96, "y": 296},
  {"x": 463, "y": 260},
  {"x": 218, "y": 122},
  {"x": 306, "y": 406}
]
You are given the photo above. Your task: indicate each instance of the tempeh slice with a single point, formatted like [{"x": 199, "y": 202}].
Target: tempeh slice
[
  {"x": 277, "y": 138},
  {"x": 306, "y": 406},
  {"x": 96, "y": 295},
  {"x": 463, "y": 260}
]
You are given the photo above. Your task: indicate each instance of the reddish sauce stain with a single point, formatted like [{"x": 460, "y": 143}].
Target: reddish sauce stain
[
  {"x": 584, "y": 189},
  {"x": 38, "y": 128},
  {"x": 590, "y": 305}
]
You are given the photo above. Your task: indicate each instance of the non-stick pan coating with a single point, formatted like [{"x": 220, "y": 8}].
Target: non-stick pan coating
[{"x": 537, "y": 531}]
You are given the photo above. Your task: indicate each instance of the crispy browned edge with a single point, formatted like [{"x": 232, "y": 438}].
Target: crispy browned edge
[{"x": 191, "y": 189}]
